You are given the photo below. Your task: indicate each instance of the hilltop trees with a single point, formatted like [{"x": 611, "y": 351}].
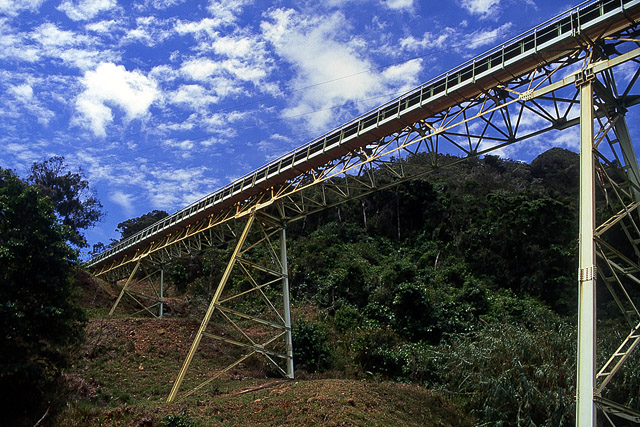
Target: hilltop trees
[
  {"x": 73, "y": 201},
  {"x": 38, "y": 320},
  {"x": 132, "y": 226}
]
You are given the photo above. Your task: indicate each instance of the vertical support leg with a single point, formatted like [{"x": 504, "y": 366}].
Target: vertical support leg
[
  {"x": 210, "y": 310},
  {"x": 585, "y": 408},
  {"x": 161, "y": 312},
  {"x": 124, "y": 288},
  {"x": 285, "y": 295}
]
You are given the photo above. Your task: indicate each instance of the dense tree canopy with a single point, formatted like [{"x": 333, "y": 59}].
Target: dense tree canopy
[
  {"x": 37, "y": 318},
  {"x": 132, "y": 226},
  {"x": 73, "y": 201}
]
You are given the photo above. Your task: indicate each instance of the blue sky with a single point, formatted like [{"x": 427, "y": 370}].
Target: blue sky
[{"x": 163, "y": 101}]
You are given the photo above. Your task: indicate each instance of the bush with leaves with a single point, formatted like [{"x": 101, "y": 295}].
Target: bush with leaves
[
  {"x": 311, "y": 346},
  {"x": 38, "y": 320},
  {"x": 509, "y": 374}
]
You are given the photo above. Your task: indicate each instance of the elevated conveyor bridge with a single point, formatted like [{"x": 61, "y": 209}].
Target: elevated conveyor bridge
[{"x": 579, "y": 68}]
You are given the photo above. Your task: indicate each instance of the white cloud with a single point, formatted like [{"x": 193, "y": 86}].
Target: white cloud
[
  {"x": 199, "y": 28},
  {"x": 428, "y": 40},
  {"x": 103, "y": 27},
  {"x": 227, "y": 10},
  {"x": 13, "y": 44},
  {"x": 398, "y": 4},
  {"x": 452, "y": 39},
  {"x": 49, "y": 35},
  {"x": 150, "y": 31},
  {"x": 483, "y": 37},
  {"x": 194, "y": 96},
  {"x": 480, "y": 7},
  {"x": 200, "y": 69},
  {"x": 24, "y": 100},
  {"x": 113, "y": 85},
  {"x": 48, "y": 41},
  {"x": 165, "y": 4},
  {"x": 331, "y": 72},
  {"x": 174, "y": 188},
  {"x": 85, "y": 9},
  {"x": 222, "y": 122},
  {"x": 22, "y": 92},
  {"x": 15, "y": 7},
  {"x": 124, "y": 200}
]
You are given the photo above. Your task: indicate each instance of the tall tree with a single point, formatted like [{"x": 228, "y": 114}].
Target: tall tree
[
  {"x": 38, "y": 319},
  {"x": 73, "y": 200},
  {"x": 132, "y": 226}
]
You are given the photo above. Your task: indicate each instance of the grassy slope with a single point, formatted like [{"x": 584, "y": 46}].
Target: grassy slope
[{"x": 125, "y": 369}]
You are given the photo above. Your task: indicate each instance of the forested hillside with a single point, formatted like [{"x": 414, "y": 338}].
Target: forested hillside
[
  {"x": 463, "y": 281},
  {"x": 450, "y": 299}
]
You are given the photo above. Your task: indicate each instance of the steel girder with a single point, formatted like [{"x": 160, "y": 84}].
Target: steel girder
[{"x": 523, "y": 109}]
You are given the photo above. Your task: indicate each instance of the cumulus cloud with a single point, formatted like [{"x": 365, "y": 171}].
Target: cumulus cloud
[
  {"x": 85, "y": 10},
  {"x": 483, "y": 8},
  {"x": 452, "y": 39},
  {"x": 199, "y": 69},
  {"x": 24, "y": 100},
  {"x": 227, "y": 10},
  {"x": 13, "y": 45},
  {"x": 23, "y": 92},
  {"x": 149, "y": 31},
  {"x": 487, "y": 37},
  {"x": 112, "y": 85},
  {"x": 49, "y": 42},
  {"x": 398, "y": 4},
  {"x": 206, "y": 26},
  {"x": 195, "y": 96},
  {"x": 15, "y": 7},
  {"x": 428, "y": 40},
  {"x": 330, "y": 71},
  {"x": 49, "y": 35},
  {"x": 124, "y": 200}
]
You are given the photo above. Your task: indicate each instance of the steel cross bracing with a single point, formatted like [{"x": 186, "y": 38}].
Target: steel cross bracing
[
  {"x": 259, "y": 262},
  {"x": 527, "y": 106},
  {"x": 146, "y": 291}
]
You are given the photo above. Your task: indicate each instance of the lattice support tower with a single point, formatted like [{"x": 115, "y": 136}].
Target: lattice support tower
[
  {"x": 260, "y": 276},
  {"x": 144, "y": 287}
]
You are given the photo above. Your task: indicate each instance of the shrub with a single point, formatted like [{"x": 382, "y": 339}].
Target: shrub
[
  {"x": 178, "y": 420},
  {"x": 311, "y": 346},
  {"x": 509, "y": 374}
]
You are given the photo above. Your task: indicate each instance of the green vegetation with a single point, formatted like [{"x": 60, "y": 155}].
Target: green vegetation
[
  {"x": 450, "y": 294},
  {"x": 132, "y": 226},
  {"x": 74, "y": 203},
  {"x": 38, "y": 321}
]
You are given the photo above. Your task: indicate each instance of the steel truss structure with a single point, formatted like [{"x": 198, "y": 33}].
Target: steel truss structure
[
  {"x": 266, "y": 235},
  {"x": 590, "y": 80},
  {"x": 146, "y": 292}
]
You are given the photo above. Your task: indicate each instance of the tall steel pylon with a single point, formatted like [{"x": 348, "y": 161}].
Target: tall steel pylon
[
  {"x": 265, "y": 332},
  {"x": 608, "y": 158}
]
